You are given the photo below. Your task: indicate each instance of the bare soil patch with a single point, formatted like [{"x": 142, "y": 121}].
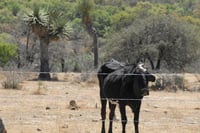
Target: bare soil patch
[{"x": 44, "y": 107}]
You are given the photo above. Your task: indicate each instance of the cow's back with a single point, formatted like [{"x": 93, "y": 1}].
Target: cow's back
[
  {"x": 118, "y": 82},
  {"x": 107, "y": 68}
]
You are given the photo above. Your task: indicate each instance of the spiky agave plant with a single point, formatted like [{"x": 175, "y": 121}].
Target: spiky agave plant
[
  {"x": 59, "y": 28},
  {"x": 38, "y": 20}
]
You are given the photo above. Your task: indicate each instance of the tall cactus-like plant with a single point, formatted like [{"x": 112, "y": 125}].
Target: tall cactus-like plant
[
  {"x": 49, "y": 26},
  {"x": 85, "y": 8}
]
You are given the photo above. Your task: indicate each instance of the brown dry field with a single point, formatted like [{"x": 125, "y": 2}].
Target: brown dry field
[{"x": 43, "y": 107}]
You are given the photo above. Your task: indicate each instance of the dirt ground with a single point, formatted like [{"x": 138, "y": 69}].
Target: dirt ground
[{"x": 43, "y": 107}]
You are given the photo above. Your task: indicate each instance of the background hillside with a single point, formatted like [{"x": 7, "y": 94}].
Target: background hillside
[{"x": 163, "y": 33}]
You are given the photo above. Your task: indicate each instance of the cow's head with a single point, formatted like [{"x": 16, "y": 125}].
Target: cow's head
[{"x": 141, "y": 79}]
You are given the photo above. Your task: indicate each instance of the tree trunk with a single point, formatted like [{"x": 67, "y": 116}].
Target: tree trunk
[
  {"x": 87, "y": 21},
  {"x": 158, "y": 64},
  {"x": 62, "y": 64},
  {"x": 159, "y": 59},
  {"x": 95, "y": 44},
  {"x": 44, "y": 59},
  {"x": 93, "y": 33},
  {"x": 151, "y": 62},
  {"x": 18, "y": 58},
  {"x": 27, "y": 43}
]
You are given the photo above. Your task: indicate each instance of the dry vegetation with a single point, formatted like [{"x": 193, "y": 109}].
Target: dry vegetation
[{"x": 41, "y": 106}]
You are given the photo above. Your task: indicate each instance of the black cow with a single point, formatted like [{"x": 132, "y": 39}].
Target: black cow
[
  {"x": 2, "y": 127},
  {"x": 126, "y": 85}
]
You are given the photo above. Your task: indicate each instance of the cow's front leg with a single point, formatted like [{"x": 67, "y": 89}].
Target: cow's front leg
[
  {"x": 136, "y": 117},
  {"x": 123, "y": 116},
  {"x": 111, "y": 116}
]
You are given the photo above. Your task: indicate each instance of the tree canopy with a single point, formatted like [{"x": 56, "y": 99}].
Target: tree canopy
[{"x": 156, "y": 39}]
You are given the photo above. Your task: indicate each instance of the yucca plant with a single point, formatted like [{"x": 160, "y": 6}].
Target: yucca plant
[{"x": 48, "y": 26}]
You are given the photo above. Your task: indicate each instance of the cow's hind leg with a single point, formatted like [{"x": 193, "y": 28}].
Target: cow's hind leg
[
  {"x": 103, "y": 114},
  {"x": 111, "y": 116}
]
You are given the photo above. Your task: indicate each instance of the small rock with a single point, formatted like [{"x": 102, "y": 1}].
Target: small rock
[
  {"x": 70, "y": 115},
  {"x": 39, "y": 130},
  {"x": 94, "y": 120},
  {"x": 197, "y": 108},
  {"x": 146, "y": 110},
  {"x": 73, "y": 105},
  {"x": 65, "y": 126},
  {"x": 48, "y": 108},
  {"x": 155, "y": 106}
]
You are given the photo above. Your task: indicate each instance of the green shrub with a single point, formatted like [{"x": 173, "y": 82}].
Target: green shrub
[{"x": 7, "y": 52}]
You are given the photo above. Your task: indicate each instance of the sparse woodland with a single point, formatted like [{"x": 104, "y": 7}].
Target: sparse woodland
[{"x": 79, "y": 35}]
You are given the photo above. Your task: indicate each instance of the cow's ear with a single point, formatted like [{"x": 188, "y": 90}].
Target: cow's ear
[{"x": 151, "y": 78}]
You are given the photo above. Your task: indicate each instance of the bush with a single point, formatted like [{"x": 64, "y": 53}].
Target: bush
[
  {"x": 12, "y": 80},
  {"x": 79, "y": 63},
  {"x": 169, "y": 82},
  {"x": 8, "y": 51}
]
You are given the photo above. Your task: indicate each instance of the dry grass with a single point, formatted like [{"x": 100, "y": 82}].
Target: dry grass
[
  {"x": 24, "y": 112},
  {"x": 41, "y": 89}
]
